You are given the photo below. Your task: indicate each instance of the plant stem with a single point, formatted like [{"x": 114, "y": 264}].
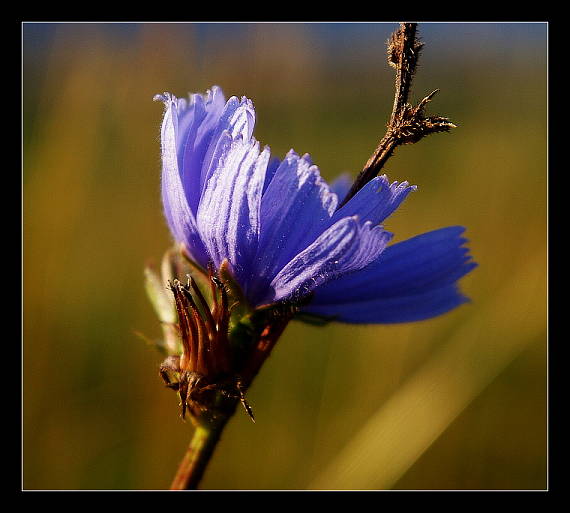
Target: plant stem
[
  {"x": 197, "y": 456},
  {"x": 407, "y": 124}
]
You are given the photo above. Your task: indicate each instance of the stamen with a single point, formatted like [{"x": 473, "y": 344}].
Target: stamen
[
  {"x": 185, "y": 324},
  {"x": 203, "y": 365},
  {"x": 203, "y": 303},
  {"x": 211, "y": 275},
  {"x": 222, "y": 320}
]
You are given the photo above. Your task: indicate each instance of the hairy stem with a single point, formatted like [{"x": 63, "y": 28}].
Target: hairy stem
[
  {"x": 403, "y": 53},
  {"x": 407, "y": 124}
]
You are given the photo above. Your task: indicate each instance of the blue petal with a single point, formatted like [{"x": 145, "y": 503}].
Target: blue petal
[
  {"x": 193, "y": 122},
  {"x": 197, "y": 125},
  {"x": 295, "y": 209},
  {"x": 344, "y": 247},
  {"x": 391, "y": 310},
  {"x": 179, "y": 216},
  {"x": 229, "y": 211},
  {"x": 411, "y": 280},
  {"x": 196, "y": 136},
  {"x": 237, "y": 120},
  {"x": 376, "y": 200}
]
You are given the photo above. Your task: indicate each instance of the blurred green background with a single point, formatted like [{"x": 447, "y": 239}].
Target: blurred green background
[{"x": 456, "y": 402}]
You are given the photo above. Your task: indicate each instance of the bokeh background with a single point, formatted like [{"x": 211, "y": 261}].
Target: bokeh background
[{"x": 456, "y": 402}]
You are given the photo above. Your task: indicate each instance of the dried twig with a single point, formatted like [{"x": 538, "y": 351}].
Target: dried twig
[{"x": 407, "y": 124}]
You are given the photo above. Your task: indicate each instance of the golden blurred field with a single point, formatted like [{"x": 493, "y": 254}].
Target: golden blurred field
[{"x": 456, "y": 402}]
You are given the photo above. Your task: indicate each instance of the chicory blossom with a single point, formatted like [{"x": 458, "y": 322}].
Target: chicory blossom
[{"x": 278, "y": 225}]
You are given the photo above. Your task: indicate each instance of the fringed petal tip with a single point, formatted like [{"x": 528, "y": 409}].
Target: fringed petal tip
[
  {"x": 162, "y": 97},
  {"x": 396, "y": 185},
  {"x": 213, "y": 91},
  {"x": 377, "y": 200},
  {"x": 212, "y": 96},
  {"x": 170, "y": 99},
  {"x": 171, "y": 103},
  {"x": 292, "y": 156}
]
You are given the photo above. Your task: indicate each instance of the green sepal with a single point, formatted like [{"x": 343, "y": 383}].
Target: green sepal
[
  {"x": 159, "y": 296},
  {"x": 163, "y": 305}
]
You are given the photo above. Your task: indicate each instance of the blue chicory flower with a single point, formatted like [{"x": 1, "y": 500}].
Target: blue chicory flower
[{"x": 277, "y": 223}]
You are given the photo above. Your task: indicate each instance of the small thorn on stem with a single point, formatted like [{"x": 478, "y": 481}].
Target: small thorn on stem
[{"x": 426, "y": 100}]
